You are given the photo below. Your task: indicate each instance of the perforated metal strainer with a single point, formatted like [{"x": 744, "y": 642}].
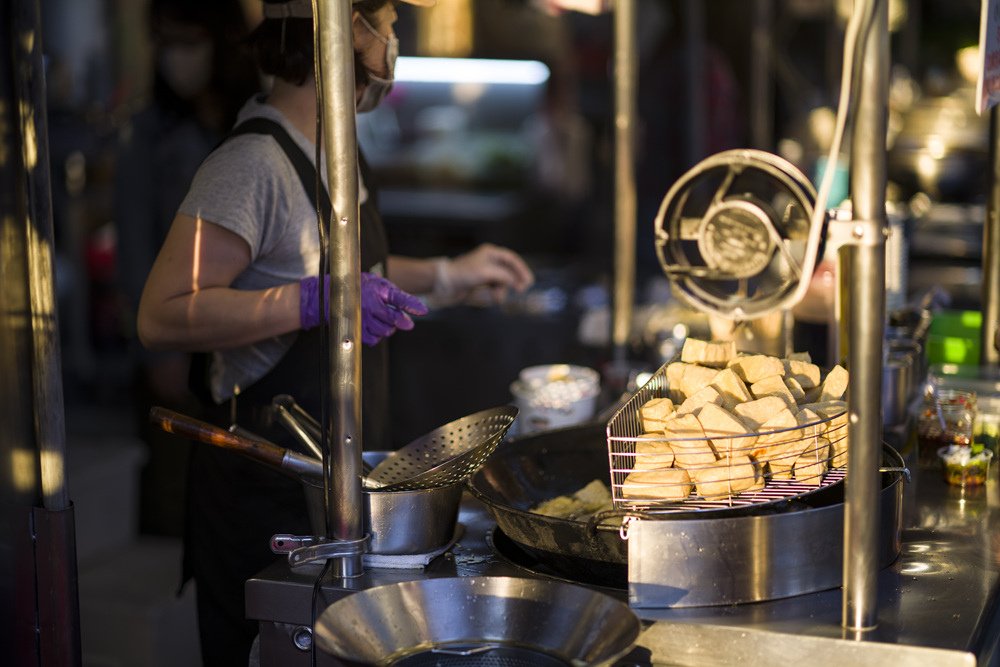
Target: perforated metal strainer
[{"x": 447, "y": 455}]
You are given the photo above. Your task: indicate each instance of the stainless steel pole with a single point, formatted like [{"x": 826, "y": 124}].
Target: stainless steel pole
[
  {"x": 626, "y": 77},
  {"x": 864, "y": 260},
  {"x": 342, "y": 469},
  {"x": 696, "y": 87},
  {"x": 990, "y": 355},
  {"x": 761, "y": 82}
]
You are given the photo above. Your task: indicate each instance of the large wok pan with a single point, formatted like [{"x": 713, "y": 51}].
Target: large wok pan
[{"x": 523, "y": 472}]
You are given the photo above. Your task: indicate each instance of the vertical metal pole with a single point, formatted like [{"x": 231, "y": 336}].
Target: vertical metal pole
[
  {"x": 47, "y": 359},
  {"x": 761, "y": 83},
  {"x": 342, "y": 469},
  {"x": 989, "y": 355},
  {"x": 864, "y": 260},
  {"x": 696, "y": 88},
  {"x": 626, "y": 76}
]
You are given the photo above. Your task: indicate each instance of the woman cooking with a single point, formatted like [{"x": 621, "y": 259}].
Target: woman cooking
[{"x": 238, "y": 277}]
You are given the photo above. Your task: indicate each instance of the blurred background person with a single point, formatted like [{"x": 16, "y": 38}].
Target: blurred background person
[{"x": 202, "y": 75}]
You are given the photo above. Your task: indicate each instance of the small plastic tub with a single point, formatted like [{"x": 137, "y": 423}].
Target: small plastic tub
[{"x": 962, "y": 468}]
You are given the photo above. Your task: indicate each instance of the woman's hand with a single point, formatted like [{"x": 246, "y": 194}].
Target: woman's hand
[
  {"x": 384, "y": 307},
  {"x": 487, "y": 273}
]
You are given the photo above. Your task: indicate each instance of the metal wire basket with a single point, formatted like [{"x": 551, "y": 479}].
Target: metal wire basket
[
  {"x": 723, "y": 470},
  {"x": 445, "y": 456}
]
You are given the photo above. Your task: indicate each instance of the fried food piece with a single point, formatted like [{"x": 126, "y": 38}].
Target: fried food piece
[
  {"x": 688, "y": 442},
  {"x": 726, "y": 477},
  {"x": 708, "y": 353},
  {"x": 773, "y": 386},
  {"x": 663, "y": 484},
  {"x": 652, "y": 452},
  {"x": 755, "y": 413},
  {"x": 655, "y": 413},
  {"x": 778, "y": 436},
  {"x": 727, "y": 432},
  {"x": 696, "y": 378},
  {"x": 755, "y": 367},
  {"x": 700, "y": 398},
  {"x": 805, "y": 373},
  {"x": 731, "y": 388}
]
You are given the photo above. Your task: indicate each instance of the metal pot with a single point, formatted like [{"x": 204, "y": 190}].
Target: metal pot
[{"x": 399, "y": 522}]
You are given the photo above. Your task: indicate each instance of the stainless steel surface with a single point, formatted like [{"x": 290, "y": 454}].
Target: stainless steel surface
[
  {"x": 990, "y": 336},
  {"x": 336, "y": 96},
  {"x": 897, "y": 372},
  {"x": 706, "y": 645},
  {"x": 569, "y": 622},
  {"x": 626, "y": 75},
  {"x": 308, "y": 550},
  {"x": 724, "y": 561},
  {"x": 401, "y": 522},
  {"x": 942, "y": 593},
  {"x": 447, "y": 455},
  {"x": 865, "y": 264}
]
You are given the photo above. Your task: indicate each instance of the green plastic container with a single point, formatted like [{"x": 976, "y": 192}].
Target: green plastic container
[{"x": 954, "y": 337}]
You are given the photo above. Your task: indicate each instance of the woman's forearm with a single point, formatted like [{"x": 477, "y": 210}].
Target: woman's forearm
[
  {"x": 411, "y": 274},
  {"x": 218, "y": 318}
]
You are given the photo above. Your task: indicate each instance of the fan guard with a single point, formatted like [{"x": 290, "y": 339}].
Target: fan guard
[{"x": 734, "y": 234}]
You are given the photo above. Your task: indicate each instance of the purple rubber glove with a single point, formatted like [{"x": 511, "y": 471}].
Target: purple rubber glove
[{"x": 384, "y": 307}]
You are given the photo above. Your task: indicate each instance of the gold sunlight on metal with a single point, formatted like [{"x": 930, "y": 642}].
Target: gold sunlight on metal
[
  {"x": 445, "y": 30},
  {"x": 23, "y": 472},
  {"x": 199, "y": 226}
]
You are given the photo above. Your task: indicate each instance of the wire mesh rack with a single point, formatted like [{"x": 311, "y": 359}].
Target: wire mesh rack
[{"x": 719, "y": 466}]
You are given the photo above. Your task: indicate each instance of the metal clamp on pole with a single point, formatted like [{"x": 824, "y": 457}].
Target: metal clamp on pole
[{"x": 307, "y": 549}]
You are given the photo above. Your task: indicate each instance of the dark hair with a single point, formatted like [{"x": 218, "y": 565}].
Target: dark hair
[
  {"x": 234, "y": 76},
  {"x": 292, "y": 60}
]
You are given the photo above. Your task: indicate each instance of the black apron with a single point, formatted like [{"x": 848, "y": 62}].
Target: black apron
[{"x": 235, "y": 505}]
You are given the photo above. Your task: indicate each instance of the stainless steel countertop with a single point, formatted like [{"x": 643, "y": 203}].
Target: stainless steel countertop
[{"x": 938, "y": 603}]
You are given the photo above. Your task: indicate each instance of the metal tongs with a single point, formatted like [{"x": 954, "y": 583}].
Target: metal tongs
[{"x": 304, "y": 427}]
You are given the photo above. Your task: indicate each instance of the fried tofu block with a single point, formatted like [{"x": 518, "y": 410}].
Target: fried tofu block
[
  {"x": 688, "y": 443},
  {"x": 773, "y": 386},
  {"x": 708, "y": 353},
  {"x": 594, "y": 495},
  {"x": 725, "y": 429},
  {"x": 812, "y": 429},
  {"x": 655, "y": 413},
  {"x": 800, "y": 356},
  {"x": 675, "y": 373},
  {"x": 812, "y": 463},
  {"x": 805, "y": 373},
  {"x": 835, "y": 430},
  {"x": 780, "y": 472},
  {"x": 798, "y": 393},
  {"x": 777, "y": 436},
  {"x": 731, "y": 388},
  {"x": 696, "y": 378},
  {"x": 755, "y": 413},
  {"x": 834, "y": 385},
  {"x": 755, "y": 367},
  {"x": 726, "y": 477},
  {"x": 652, "y": 452},
  {"x": 700, "y": 398},
  {"x": 664, "y": 484}
]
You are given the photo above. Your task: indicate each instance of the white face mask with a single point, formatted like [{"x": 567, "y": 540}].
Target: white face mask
[
  {"x": 187, "y": 68},
  {"x": 377, "y": 87}
]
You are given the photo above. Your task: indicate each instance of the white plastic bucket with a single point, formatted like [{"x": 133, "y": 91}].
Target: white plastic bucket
[{"x": 553, "y": 396}]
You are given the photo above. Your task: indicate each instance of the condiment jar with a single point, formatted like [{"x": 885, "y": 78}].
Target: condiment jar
[{"x": 946, "y": 418}]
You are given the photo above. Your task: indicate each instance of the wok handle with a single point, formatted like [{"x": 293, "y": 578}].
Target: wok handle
[{"x": 195, "y": 429}]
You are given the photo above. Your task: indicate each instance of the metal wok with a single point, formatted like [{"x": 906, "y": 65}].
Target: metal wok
[{"x": 523, "y": 472}]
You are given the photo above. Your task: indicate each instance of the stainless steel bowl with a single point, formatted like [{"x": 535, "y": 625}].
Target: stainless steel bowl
[
  {"x": 399, "y": 522},
  {"x": 477, "y": 620}
]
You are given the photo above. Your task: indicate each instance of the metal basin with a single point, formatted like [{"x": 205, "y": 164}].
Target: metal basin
[
  {"x": 477, "y": 621},
  {"x": 399, "y": 522}
]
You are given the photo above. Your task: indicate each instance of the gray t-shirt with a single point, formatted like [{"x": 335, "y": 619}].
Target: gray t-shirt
[{"x": 249, "y": 187}]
